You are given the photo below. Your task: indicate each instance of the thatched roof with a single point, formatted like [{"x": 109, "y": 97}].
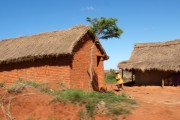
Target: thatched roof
[
  {"x": 41, "y": 45},
  {"x": 159, "y": 56}
]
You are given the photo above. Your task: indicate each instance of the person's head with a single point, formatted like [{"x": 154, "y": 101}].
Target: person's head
[{"x": 116, "y": 72}]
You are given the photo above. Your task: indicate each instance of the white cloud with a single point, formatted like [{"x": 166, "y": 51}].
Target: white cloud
[{"x": 89, "y": 8}]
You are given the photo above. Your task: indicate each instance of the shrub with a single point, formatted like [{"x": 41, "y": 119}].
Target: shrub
[
  {"x": 119, "y": 111},
  {"x": 1, "y": 84},
  {"x": 16, "y": 88},
  {"x": 29, "y": 118},
  {"x": 110, "y": 76},
  {"x": 82, "y": 114},
  {"x": 90, "y": 107},
  {"x": 30, "y": 83},
  {"x": 45, "y": 89},
  {"x": 52, "y": 119}
]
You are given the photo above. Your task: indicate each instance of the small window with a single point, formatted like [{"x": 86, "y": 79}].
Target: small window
[{"x": 98, "y": 60}]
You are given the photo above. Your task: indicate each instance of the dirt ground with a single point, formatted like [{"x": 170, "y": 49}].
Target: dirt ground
[
  {"x": 34, "y": 105},
  {"x": 155, "y": 103}
]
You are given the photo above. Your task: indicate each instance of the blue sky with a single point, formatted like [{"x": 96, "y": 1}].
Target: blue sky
[{"x": 141, "y": 20}]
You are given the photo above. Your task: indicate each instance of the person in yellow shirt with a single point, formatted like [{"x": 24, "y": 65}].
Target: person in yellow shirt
[{"x": 119, "y": 81}]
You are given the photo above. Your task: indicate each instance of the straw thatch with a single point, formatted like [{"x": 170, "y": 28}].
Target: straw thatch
[
  {"x": 158, "y": 56},
  {"x": 43, "y": 45}
]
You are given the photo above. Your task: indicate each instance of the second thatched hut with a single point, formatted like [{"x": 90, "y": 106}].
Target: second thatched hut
[{"x": 152, "y": 63}]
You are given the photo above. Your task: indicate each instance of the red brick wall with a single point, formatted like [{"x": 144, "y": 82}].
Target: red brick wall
[
  {"x": 73, "y": 72},
  {"x": 152, "y": 77},
  {"x": 53, "y": 71},
  {"x": 81, "y": 63}
]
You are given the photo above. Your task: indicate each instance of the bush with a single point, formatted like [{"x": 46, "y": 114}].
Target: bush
[
  {"x": 52, "y": 119},
  {"x": 110, "y": 76},
  {"x": 82, "y": 114},
  {"x": 110, "y": 80},
  {"x": 30, "y": 83},
  {"x": 119, "y": 111},
  {"x": 29, "y": 118},
  {"x": 16, "y": 88},
  {"x": 1, "y": 84}
]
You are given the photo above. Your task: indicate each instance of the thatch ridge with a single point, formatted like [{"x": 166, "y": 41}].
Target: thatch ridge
[
  {"x": 55, "y": 43},
  {"x": 158, "y": 56},
  {"x": 156, "y": 44}
]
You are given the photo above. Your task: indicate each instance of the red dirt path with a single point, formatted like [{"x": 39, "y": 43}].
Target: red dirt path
[{"x": 154, "y": 102}]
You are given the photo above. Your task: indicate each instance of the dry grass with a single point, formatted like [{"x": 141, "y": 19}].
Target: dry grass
[{"x": 54, "y": 43}]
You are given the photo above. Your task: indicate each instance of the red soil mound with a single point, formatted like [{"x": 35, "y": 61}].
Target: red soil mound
[{"x": 32, "y": 104}]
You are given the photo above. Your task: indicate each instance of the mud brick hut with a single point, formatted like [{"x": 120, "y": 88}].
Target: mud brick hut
[
  {"x": 58, "y": 58},
  {"x": 154, "y": 63}
]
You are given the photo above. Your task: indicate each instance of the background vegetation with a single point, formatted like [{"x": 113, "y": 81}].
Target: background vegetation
[{"x": 110, "y": 76}]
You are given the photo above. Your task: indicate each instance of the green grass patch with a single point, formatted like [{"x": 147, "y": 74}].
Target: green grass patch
[
  {"x": 41, "y": 87},
  {"x": 110, "y": 80},
  {"x": 21, "y": 84},
  {"x": 91, "y": 99}
]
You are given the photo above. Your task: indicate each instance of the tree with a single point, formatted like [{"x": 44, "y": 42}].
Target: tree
[{"x": 105, "y": 28}]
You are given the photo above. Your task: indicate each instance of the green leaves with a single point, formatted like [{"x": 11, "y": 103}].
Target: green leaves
[{"x": 105, "y": 28}]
